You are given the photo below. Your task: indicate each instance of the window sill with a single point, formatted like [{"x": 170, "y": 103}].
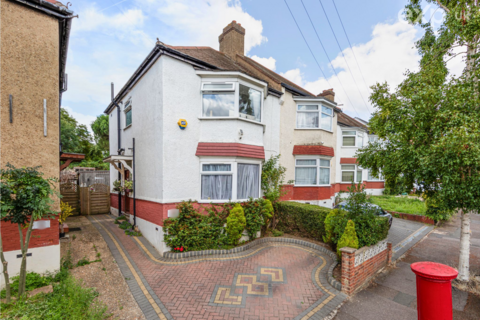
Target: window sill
[
  {"x": 374, "y": 181},
  {"x": 232, "y": 118},
  {"x": 346, "y": 147},
  {"x": 224, "y": 201},
  {"x": 127, "y": 127},
  {"x": 317, "y": 129}
]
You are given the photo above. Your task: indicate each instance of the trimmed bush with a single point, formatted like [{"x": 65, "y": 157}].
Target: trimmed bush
[
  {"x": 257, "y": 212},
  {"x": 305, "y": 218},
  {"x": 349, "y": 238},
  {"x": 236, "y": 223},
  {"x": 329, "y": 225}
]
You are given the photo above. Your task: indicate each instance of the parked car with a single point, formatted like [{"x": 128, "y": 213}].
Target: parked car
[{"x": 380, "y": 212}]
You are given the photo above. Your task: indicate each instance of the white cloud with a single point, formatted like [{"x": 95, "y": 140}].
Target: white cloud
[
  {"x": 81, "y": 118},
  {"x": 385, "y": 57},
  {"x": 200, "y": 22},
  {"x": 266, "y": 62}
]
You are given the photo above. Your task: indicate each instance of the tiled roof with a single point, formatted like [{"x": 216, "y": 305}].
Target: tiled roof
[
  {"x": 349, "y": 121},
  {"x": 348, "y": 160},
  {"x": 243, "y": 64},
  {"x": 313, "y": 150},
  {"x": 230, "y": 150}
]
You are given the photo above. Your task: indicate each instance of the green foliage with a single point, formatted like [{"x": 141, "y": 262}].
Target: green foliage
[
  {"x": 348, "y": 239},
  {"x": 273, "y": 176},
  {"x": 400, "y": 204},
  {"x": 299, "y": 217},
  {"x": 25, "y": 195},
  {"x": 84, "y": 261},
  {"x": 195, "y": 231},
  {"x": 133, "y": 233},
  {"x": 69, "y": 300},
  {"x": 428, "y": 125},
  {"x": 329, "y": 224},
  {"x": 75, "y": 138},
  {"x": 436, "y": 210},
  {"x": 277, "y": 233},
  {"x": 257, "y": 212},
  {"x": 119, "y": 219},
  {"x": 125, "y": 225},
  {"x": 236, "y": 223}
]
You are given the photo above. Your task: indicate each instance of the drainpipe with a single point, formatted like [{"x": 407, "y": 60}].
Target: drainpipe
[
  {"x": 118, "y": 149},
  {"x": 134, "y": 189}
]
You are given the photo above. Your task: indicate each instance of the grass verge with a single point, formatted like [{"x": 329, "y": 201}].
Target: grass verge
[{"x": 400, "y": 204}]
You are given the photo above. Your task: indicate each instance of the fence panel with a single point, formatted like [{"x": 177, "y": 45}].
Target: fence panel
[{"x": 70, "y": 194}]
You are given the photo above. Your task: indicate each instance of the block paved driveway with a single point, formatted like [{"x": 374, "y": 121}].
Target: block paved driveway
[{"x": 269, "y": 281}]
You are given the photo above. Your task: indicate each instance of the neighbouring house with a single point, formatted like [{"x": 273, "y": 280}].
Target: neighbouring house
[
  {"x": 197, "y": 123},
  {"x": 353, "y": 135},
  {"x": 34, "y": 43}
]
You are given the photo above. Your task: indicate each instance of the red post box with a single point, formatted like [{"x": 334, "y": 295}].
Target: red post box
[{"x": 434, "y": 290}]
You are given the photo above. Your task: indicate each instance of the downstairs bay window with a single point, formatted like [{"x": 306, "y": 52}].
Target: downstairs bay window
[
  {"x": 230, "y": 181},
  {"x": 312, "y": 172}
]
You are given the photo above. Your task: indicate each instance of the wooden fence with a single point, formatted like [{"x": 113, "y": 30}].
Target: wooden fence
[{"x": 94, "y": 199}]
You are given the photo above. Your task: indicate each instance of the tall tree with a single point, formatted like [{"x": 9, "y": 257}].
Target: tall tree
[
  {"x": 101, "y": 133},
  {"x": 429, "y": 127}
]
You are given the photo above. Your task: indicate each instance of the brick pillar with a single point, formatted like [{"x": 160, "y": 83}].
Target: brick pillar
[
  {"x": 389, "y": 253},
  {"x": 348, "y": 270}
]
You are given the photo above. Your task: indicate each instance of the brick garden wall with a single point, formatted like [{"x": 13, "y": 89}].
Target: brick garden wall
[
  {"x": 358, "y": 266},
  {"x": 39, "y": 238},
  {"x": 412, "y": 217}
]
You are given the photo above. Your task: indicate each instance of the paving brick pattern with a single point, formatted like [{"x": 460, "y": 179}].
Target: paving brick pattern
[{"x": 271, "y": 281}]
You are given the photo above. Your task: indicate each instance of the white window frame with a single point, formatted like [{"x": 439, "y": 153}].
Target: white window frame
[
  {"x": 349, "y": 135},
  {"x": 372, "y": 138},
  {"x": 234, "y": 172},
  {"x": 128, "y": 107},
  {"x": 355, "y": 173},
  {"x": 236, "y": 92},
  {"x": 319, "y": 111},
  {"x": 317, "y": 166},
  {"x": 360, "y": 137}
]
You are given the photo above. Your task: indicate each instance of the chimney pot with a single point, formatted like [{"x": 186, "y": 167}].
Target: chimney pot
[{"x": 232, "y": 40}]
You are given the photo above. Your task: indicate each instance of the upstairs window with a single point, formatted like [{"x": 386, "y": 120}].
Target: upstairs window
[
  {"x": 229, "y": 99},
  {"x": 128, "y": 113},
  {"x": 314, "y": 117},
  {"x": 349, "y": 138},
  {"x": 312, "y": 172}
]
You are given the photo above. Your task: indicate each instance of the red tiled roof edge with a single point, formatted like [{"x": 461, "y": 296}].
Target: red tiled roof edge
[
  {"x": 230, "y": 150},
  {"x": 313, "y": 150},
  {"x": 348, "y": 160}
]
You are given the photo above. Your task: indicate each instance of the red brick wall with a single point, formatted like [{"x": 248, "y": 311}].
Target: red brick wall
[
  {"x": 150, "y": 211},
  {"x": 39, "y": 238},
  {"x": 374, "y": 184},
  {"x": 353, "y": 277}
]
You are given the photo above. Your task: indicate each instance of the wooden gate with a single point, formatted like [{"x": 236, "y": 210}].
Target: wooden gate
[
  {"x": 70, "y": 194},
  {"x": 95, "y": 199}
]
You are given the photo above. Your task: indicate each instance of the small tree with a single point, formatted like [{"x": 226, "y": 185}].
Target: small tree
[
  {"x": 236, "y": 223},
  {"x": 349, "y": 238},
  {"x": 273, "y": 177},
  {"x": 25, "y": 197}
]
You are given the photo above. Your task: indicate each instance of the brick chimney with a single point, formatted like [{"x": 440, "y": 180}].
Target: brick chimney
[
  {"x": 232, "y": 40},
  {"x": 328, "y": 94}
]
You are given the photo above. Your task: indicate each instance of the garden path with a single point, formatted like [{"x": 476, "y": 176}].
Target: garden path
[{"x": 268, "y": 281}]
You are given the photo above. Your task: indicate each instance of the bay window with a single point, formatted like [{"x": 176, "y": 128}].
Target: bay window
[
  {"x": 310, "y": 172},
  {"x": 351, "y": 173},
  {"x": 230, "y": 181},
  {"x": 314, "y": 117},
  {"x": 231, "y": 99}
]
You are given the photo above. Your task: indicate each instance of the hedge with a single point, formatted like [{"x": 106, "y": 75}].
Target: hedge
[{"x": 306, "y": 218}]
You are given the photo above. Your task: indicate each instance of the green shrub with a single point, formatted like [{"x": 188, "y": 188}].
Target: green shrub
[
  {"x": 277, "y": 233},
  {"x": 257, "y": 212},
  {"x": 125, "y": 225},
  {"x": 236, "y": 223},
  {"x": 194, "y": 231},
  {"x": 329, "y": 226},
  {"x": 348, "y": 239},
  {"x": 300, "y": 217}
]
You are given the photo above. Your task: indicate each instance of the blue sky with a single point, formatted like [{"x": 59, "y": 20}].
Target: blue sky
[{"x": 111, "y": 38}]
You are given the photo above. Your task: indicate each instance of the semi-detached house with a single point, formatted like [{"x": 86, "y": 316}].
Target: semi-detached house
[{"x": 197, "y": 123}]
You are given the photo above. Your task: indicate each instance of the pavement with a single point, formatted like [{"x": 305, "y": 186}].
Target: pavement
[
  {"x": 273, "y": 280},
  {"x": 392, "y": 295}
]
